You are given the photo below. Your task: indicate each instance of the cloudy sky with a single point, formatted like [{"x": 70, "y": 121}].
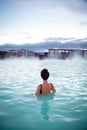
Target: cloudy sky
[{"x": 32, "y": 21}]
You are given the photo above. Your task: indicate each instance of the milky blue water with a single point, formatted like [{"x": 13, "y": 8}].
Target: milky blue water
[{"x": 64, "y": 110}]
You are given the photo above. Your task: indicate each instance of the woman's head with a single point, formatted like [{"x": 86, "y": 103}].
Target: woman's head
[{"x": 45, "y": 74}]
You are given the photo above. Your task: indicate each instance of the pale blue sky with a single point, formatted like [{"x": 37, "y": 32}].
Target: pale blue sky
[{"x": 32, "y": 21}]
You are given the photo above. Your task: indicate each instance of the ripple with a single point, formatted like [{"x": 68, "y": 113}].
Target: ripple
[
  {"x": 69, "y": 119},
  {"x": 19, "y": 104},
  {"x": 2, "y": 113}
]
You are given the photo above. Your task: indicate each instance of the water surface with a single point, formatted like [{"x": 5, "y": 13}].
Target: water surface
[{"x": 21, "y": 109}]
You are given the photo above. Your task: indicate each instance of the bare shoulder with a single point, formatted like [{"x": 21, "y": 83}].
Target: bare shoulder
[
  {"x": 53, "y": 88},
  {"x": 39, "y": 86},
  {"x": 37, "y": 90}
]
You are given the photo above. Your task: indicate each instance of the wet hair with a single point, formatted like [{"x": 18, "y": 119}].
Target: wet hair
[{"x": 45, "y": 74}]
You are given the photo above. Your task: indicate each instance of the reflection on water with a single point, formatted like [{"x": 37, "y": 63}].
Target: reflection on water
[
  {"x": 47, "y": 97},
  {"x": 64, "y": 110},
  {"x": 44, "y": 110},
  {"x": 45, "y": 104}
]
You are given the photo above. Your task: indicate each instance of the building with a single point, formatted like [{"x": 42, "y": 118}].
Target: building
[
  {"x": 67, "y": 53},
  {"x": 52, "y": 53},
  {"x": 20, "y": 53}
]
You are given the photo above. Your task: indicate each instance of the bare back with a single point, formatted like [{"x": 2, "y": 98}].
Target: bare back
[{"x": 45, "y": 88}]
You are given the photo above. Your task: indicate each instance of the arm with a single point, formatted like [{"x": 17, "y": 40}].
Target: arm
[
  {"x": 53, "y": 88},
  {"x": 37, "y": 90}
]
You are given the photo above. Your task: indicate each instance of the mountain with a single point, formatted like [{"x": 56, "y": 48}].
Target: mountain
[{"x": 61, "y": 43}]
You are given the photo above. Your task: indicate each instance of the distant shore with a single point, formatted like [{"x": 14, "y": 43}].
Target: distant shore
[{"x": 51, "y": 53}]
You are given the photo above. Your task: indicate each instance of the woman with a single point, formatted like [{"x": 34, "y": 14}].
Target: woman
[{"x": 46, "y": 87}]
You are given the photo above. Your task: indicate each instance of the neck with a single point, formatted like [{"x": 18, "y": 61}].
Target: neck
[{"x": 44, "y": 81}]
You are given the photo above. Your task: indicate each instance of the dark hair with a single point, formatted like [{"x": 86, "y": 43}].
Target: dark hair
[{"x": 45, "y": 74}]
